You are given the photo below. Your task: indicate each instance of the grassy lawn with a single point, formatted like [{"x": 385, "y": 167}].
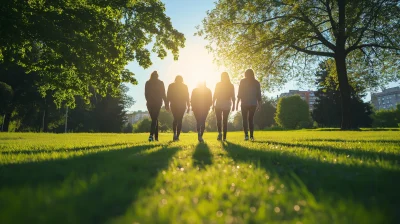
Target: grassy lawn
[{"x": 283, "y": 177}]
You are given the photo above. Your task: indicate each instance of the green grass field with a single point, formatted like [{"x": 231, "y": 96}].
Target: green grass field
[{"x": 283, "y": 177}]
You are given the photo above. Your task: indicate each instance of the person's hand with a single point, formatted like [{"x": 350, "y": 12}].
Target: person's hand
[
  {"x": 167, "y": 109},
  {"x": 188, "y": 110},
  {"x": 258, "y": 107},
  {"x": 213, "y": 108},
  {"x": 233, "y": 108}
]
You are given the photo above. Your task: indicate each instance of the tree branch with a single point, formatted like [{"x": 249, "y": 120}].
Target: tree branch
[
  {"x": 318, "y": 53},
  {"x": 374, "y": 14},
  {"x": 371, "y": 45},
  {"x": 321, "y": 38}
]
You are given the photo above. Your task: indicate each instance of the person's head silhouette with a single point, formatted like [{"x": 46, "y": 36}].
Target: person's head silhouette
[
  {"x": 225, "y": 77},
  {"x": 154, "y": 75},
  {"x": 249, "y": 74},
  {"x": 178, "y": 79}
]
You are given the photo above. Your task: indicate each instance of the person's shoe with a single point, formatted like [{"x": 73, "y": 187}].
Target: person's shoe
[
  {"x": 174, "y": 138},
  {"x": 151, "y": 138},
  {"x": 219, "y": 137},
  {"x": 246, "y": 138},
  {"x": 252, "y": 138}
]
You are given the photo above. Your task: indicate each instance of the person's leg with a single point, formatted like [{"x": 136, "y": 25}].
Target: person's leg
[
  {"x": 156, "y": 131},
  {"x": 252, "y": 111},
  {"x": 181, "y": 112},
  {"x": 153, "y": 117},
  {"x": 175, "y": 122},
  {"x": 203, "y": 121},
  {"x": 218, "y": 115},
  {"x": 225, "y": 122},
  {"x": 197, "y": 117},
  {"x": 245, "y": 114},
  {"x": 156, "y": 114}
]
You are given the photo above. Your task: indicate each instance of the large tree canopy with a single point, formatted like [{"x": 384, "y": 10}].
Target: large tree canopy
[
  {"x": 282, "y": 39},
  {"x": 78, "y": 44}
]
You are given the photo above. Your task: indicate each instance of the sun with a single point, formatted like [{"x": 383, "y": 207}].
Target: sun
[{"x": 195, "y": 65}]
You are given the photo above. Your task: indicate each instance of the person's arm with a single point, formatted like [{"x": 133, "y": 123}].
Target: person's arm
[
  {"x": 169, "y": 95},
  {"x": 239, "y": 96},
  {"x": 146, "y": 91},
  {"x": 214, "y": 98},
  {"x": 233, "y": 97},
  {"x": 259, "y": 98},
  {"x": 164, "y": 97},
  {"x": 210, "y": 100},
  {"x": 187, "y": 100}
]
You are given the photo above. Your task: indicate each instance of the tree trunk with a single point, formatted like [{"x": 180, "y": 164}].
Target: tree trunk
[
  {"x": 340, "y": 60},
  {"x": 344, "y": 91},
  {"x": 7, "y": 120}
]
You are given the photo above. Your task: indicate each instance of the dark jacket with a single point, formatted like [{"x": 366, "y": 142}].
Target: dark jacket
[
  {"x": 224, "y": 94},
  {"x": 249, "y": 92},
  {"x": 178, "y": 95},
  {"x": 155, "y": 92},
  {"x": 201, "y": 99}
]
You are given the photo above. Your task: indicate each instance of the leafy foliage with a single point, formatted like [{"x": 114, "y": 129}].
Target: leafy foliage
[
  {"x": 273, "y": 36},
  {"x": 142, "y": 126},
  {"x": 77, "y": 45},
  {"x": 387, "y": 118},
  {"x": 285, "y": 39},
  {"x": 265, "y": 116},
  {"x": 292, "y": 112}
]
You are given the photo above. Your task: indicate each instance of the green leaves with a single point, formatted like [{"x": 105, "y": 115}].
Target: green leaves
[
  {"x": 76, "y": 44},
  {"x": 287, "y": 39}
]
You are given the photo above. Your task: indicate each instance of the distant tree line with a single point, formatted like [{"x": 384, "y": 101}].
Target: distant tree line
[{"x": 24, "y": 108}]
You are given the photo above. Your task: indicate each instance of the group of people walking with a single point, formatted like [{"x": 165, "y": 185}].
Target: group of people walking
[{"x": 223, "y": 101}]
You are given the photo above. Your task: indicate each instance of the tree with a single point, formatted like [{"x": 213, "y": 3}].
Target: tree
[
  {"x": 237, "y": 121},
  {"x": 188, "y": 123},
  {"x": 103, "y": 114},
  {"x": 211, "y": 122},
  {"x": 78, "y": 45},
  {"x": 292, "y": 112},
  {"x": 165, "y": 120},
  {"x": 272, "y": 36},
  {"x": 142, "y": 126},
  {"x": 265, "y": 116},
  {"x": 387, "y": 118},
  {"x": 327, "y": 108}
]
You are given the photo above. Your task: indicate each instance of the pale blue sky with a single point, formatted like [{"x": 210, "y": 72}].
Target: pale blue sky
[{"x": 185, "y": 16}]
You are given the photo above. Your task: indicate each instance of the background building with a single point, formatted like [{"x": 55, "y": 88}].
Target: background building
[
  {"x": 137, "y": 116},
  {"x": 387, "y": 99},
  {"x": 308, "y": 96}
]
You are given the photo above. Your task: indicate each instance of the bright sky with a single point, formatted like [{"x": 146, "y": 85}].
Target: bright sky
[{"x": 194, "y": 64}]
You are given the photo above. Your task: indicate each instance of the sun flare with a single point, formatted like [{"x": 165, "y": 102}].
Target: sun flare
[{"x": 195, "y": 65}]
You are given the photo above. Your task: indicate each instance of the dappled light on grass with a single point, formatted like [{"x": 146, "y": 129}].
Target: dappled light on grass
[{"x": 293, "y": 177}]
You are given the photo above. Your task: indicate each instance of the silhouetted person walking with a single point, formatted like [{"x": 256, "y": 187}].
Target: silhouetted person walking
[
  {"x": 250, "y": 96},
  {"x": 178, "y": 97},
  {"x": 201, "y": 103},
  {"x": 155, "y": 94},
  {"x": 224, "y": 95}
]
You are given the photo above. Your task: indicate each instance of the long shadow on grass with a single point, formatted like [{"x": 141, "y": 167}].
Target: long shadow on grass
[
  {"x": 355, "y": 152},
  {"x": 87, "y": 189},
  {"x": 202, "y": 156},
  {"x": 394, "y": 142},
  {"x": 371, "y": 186},
  {"x": 75, "y": 149}
]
